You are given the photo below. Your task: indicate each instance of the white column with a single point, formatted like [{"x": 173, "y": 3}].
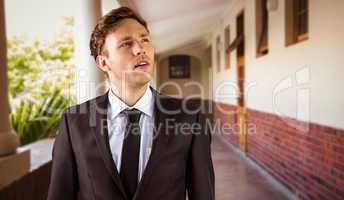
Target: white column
[
  {"x": 8, "y": 140},
  {"x": 89, "y": 79},
  {"x": 13, "y": 163}
]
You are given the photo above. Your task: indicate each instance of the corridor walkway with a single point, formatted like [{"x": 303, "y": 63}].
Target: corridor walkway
[{"x": 236, "y": 179}]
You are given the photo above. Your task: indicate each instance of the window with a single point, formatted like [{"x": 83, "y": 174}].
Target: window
[
  {"x": 179, "y": 66},
  {"x": 262, "y": 22},
  {"x": 296, "y": 21},
  {"x": 218, "y": 54},
  {"x": 226, "y": 44},
  {"x": 238, "y": 43}
]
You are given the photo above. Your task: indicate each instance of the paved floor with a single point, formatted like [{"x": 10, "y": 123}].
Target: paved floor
[{"x": 236, "y": 179}]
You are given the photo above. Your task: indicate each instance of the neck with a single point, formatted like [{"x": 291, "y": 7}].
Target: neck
[{"x": 129, "y": 95}]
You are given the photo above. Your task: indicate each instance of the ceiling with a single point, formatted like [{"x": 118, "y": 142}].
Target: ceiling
[{"x": 176, "y": 23}]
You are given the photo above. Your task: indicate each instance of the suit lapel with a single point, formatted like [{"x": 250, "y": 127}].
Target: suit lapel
[{"x": 98, "y": 122}]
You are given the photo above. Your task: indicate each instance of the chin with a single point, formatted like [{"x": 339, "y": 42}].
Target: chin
[{"x": 139, "y": 79}]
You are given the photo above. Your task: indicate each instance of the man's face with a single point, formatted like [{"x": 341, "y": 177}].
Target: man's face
[{"x": 129, "y": 55}]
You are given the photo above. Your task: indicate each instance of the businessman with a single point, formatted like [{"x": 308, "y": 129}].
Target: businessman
[{"x": 131, "y": 143}]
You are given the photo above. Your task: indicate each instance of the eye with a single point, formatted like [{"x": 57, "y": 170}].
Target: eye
[
  {"x": 127, "y": 44},
  {"x": 145, "y": 40}
]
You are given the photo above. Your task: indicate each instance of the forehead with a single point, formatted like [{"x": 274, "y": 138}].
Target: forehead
[{"x": 127, "y": 28}]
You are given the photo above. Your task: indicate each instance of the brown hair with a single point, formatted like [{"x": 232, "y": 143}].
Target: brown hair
[{"x": 107, "y": 23}]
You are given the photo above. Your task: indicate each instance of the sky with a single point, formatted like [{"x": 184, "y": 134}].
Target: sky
[{"x": 36, "y": 18}]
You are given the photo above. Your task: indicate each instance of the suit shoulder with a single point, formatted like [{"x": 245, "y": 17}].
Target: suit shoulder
[
  {"x": 168, "y": 102},
  {"x": 186, "y": 105},
  {"x": 84, "y": 107}
]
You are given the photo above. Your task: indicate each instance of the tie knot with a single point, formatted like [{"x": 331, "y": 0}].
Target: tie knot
[{"x": 133, "y": 115}]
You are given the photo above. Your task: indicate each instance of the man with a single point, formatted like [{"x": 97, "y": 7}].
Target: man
[{"x": 128, "y": 144}]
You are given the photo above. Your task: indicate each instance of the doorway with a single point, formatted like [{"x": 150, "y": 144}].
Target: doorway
[{"x": 241, "y": 111}]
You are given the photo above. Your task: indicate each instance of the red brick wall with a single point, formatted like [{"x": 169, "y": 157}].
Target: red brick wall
[{"x": 310, "y": 163}]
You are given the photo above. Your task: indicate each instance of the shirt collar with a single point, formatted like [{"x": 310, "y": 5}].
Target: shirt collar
[{"x": 145, "y": 104}]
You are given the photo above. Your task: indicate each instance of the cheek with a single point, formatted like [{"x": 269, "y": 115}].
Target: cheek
[
  {"x": 119, "y": 63},
  {"x": 151, "y": 52}
]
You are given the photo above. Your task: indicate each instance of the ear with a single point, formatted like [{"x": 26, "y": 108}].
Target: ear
[{"x": 101, "y": 62}]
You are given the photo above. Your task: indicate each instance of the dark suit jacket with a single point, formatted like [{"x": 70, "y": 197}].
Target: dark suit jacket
[{"x": 83, "y": 167}]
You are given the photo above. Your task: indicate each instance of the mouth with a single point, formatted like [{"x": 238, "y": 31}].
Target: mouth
[{"x": 142, "y": 65}]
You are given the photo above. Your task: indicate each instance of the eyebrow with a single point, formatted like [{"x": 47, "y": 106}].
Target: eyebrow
[{"x": 130, "y": 37}]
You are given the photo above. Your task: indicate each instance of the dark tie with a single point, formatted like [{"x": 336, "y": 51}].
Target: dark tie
[{"x": 131, "y": 153}]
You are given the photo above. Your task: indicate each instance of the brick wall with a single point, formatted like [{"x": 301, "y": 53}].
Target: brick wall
[{"x": 310, "y": 163}]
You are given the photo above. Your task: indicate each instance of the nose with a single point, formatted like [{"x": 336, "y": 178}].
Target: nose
[{"x": 138, "y": 48}]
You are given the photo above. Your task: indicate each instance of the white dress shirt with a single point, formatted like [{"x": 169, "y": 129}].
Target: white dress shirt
[{"x": 117, "y": 122}]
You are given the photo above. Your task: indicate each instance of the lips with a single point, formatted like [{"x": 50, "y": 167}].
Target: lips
[{"x": 142, "y": 64}]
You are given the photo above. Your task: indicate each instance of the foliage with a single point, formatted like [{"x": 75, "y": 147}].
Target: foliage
[
  {"x": 40, "y": 79},
  {"x": 31, "y": 65},
  {"x": 33, "y": 121}
]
